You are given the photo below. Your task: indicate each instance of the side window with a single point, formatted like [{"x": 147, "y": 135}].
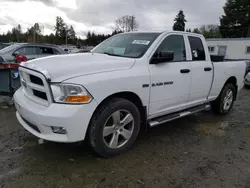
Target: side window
[
  {"x": 45, "y": 50},
  {"x": 197, "y": 48},
  {"x": 176, "y": 44},
  {"x": 56, "y": 51},
  {"x": 248, "y": 50},
  {"x": 29, "y": 50},
  {"x": 211, "y": 49}
]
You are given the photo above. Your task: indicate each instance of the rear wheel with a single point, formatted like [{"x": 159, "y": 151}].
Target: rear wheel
[
  {"x": 224, "y": 103},
  {"x": 114, "y": 127}
]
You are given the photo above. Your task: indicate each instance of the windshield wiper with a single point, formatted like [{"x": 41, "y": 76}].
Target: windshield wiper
[{"x": 112, "y": 54}]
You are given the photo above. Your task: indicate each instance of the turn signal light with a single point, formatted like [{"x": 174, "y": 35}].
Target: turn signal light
[{"x": 76, "y": 99}]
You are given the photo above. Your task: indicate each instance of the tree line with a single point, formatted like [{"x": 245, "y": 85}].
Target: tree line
[
  {"x": 65, "y": 34},
  {"x": 234, "y": 23}
]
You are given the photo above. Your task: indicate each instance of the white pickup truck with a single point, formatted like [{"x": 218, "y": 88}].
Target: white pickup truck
[{"x": 126, "y": 82}]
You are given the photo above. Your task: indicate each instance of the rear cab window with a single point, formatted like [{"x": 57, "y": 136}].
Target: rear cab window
[{"x": 197, "y": 48}]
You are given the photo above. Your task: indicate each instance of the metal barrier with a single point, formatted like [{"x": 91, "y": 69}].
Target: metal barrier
[{"x": 9, "y": 79}]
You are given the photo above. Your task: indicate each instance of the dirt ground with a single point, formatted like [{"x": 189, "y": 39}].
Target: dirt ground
[{"x": 202, "y": 150}]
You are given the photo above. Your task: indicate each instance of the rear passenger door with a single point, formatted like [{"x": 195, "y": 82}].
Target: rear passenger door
[{"x": 202, "y": 71}]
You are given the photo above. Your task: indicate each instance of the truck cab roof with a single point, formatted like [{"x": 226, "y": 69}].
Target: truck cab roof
[{"x": 166, "y": 32}]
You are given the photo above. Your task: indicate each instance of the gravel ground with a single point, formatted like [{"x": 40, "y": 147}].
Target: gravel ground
[{"x": 202, "y": 150}]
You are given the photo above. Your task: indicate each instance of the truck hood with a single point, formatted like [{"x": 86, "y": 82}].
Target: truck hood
[{"x": 63, "y": 67}]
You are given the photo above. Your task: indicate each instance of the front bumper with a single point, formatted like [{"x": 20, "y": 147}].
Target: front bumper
[{"x": 38, "y": 119}]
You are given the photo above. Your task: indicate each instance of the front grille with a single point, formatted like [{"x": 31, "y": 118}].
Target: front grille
[
  {"x": 40, "y": 94},
  {"x": 35, "y": 86},
  {"x": 36, "y": 80},
  {"x": 31, "y": 125}
]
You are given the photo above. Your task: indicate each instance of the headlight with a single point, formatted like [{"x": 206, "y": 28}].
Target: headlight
[{"x": 70, "y": 93}]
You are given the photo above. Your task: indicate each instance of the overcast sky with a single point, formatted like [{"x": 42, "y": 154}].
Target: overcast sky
[{"x": 99, "y": 15}]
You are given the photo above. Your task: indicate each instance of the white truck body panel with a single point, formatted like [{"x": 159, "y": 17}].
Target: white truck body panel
[
  {"x": 71, "y": 117},
  {"x": 222, "y": 71},
  {"x": 73, "y": 65},
  {"x": 162, "y": 88}
]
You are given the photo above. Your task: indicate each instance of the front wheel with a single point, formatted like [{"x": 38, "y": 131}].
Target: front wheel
[
  {"x": 247, "y": 86},
  {"x": 224, "y": 103},
  {"x": 114, "y": 127}
]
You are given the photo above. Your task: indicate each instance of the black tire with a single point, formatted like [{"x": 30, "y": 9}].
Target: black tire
[
  {"x": 99, "y": 119},
  {"x": 218, "y": 104},
  {"x": 247, "y": 86}
]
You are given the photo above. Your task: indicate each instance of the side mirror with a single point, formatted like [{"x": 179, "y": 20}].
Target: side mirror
[
  {"x": 162, "y": 57},
  {"x": 16, "y": 53}
]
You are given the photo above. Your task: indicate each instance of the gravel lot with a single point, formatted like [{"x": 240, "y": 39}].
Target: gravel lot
[{"x": 202, "y": 150}]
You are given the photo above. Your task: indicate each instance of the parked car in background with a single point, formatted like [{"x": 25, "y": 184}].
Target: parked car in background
[
  {"x": 83, "y": 51},
  {"x": 247, "y": 81},
  {"x": 70, "y": 49},
  {"x": 248, "y": 66},
  {"x": 3, "y": 45},
  {"x": 30, "y": 51},
  {"x": 247, "y": 75}
]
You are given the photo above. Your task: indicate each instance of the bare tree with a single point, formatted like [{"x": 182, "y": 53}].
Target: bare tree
[
  {"x": 126, "y": 23},
  {"x": 210, "y": 31}
]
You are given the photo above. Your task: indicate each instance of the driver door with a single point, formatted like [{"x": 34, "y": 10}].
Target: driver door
[{"x": 170, "y": 81}]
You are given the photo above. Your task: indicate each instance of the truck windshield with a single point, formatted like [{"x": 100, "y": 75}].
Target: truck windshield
[{"x": 132, "y": 45}]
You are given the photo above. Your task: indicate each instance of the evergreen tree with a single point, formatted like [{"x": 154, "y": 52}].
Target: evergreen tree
[
  {"x": 72, "y": 34},
  {"x": 236, "y": 21},
  {"x": 196, "y": 30},
  {"x": 34, "y": 33},
  {"x": 61, "y": 30},
  {"x": 180, "y": 20}
]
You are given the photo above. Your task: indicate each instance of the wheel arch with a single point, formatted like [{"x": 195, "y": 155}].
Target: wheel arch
[
  {"x": 132, "y": 97},
  {"x": 232, "y": 80}
]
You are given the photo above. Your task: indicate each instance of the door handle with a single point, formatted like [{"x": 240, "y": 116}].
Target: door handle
[
  {"x": 185, "y": 71},
  {"x": 207, "y": 69}
]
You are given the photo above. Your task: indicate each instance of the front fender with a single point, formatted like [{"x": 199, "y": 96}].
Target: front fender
[{"x": 103, "y": 85}]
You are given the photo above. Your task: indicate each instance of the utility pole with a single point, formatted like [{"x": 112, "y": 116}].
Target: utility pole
[
  {"x": 34, "y": 35},
  {"x": 66, "y": 30},
  {"x": 66, "y": 39},
  {"x": 132, "y": 22}
]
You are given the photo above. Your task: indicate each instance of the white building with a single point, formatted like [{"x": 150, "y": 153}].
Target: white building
[{"x": 231, "y": 48}]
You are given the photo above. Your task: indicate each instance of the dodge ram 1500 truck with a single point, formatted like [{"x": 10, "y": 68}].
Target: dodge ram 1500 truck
[{"x": 129, "y": 81}]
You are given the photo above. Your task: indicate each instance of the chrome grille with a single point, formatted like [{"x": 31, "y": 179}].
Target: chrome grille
[{"x": 35, "y": 86}]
